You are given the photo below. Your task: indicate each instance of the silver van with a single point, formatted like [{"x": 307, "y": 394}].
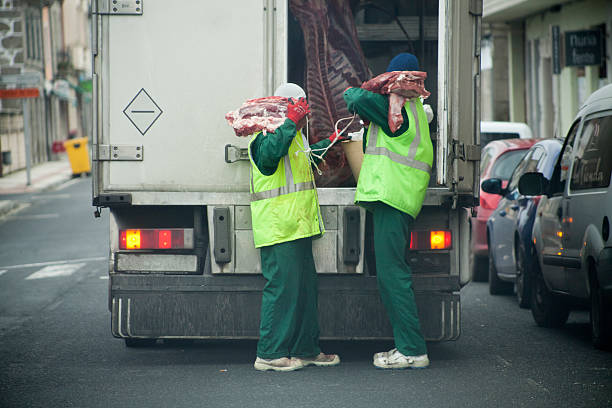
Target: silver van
[{"x": 571, "y": 232}]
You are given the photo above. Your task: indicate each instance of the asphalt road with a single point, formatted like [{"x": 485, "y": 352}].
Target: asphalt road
[{"x": 56, "y": 349}]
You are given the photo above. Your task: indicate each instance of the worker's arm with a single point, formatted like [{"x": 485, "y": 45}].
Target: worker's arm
[
  {"x": 268, "y": 150},
  {"x": 318, "y": 149},
  {"x": 374, "y": 108}
]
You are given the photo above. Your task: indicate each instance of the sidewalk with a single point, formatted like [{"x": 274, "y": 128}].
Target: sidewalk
[{"x": 43, "y": 177}]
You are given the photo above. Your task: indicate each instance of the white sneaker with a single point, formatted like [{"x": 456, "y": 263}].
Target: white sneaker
[
  {"x": 278, "y": 364},
  {"x": 394, "y": 359},
  {"x": 321, "y": 360}
]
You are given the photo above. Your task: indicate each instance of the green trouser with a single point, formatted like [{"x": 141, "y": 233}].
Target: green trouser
[
  {"x": 289, "y": 324},
  {"x": 391, "y": 236}
]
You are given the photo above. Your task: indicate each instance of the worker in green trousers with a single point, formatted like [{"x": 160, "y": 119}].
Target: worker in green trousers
[
  {"x": 392, "y": 184},
  {"x": 286, "y": 217}
]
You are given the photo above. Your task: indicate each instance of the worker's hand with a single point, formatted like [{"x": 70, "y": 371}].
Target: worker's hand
[
  {"x": 335, "y": 138},
  {"x": 296, "y": 111}
]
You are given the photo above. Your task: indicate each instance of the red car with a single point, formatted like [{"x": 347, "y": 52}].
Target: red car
[{"x": 498, "y": 160}]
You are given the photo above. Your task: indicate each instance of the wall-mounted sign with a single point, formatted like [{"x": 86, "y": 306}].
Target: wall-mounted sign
[
  {"x": 556, "y": 50},
  {"x": 583, "y": 48},
  {"x": 19, "y": 93}
]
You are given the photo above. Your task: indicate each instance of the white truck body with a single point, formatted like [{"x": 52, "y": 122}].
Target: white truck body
[{"x": 164, "y": 77}]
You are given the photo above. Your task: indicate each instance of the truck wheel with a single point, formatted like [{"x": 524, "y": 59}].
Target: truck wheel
[
  {"x": 130, "y": 342},
  {"x": 601, "y": 318},
  {"x": 523, "y": 280},
  {"x": 547, "y": 309},
  {"x": 479, "y": 267},
  {"x": 496, "y": 285}
]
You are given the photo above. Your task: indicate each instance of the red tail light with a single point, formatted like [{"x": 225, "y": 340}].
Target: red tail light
[
  {"x": 428, "y": 240},
  {"x": 176, "y": 238}
]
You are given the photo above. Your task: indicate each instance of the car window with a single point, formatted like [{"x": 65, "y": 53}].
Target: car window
[
  {"x": 506, "y": 163},
  {"x": 487, "y": 155},
  {"x": 593, "y": 155},
  {"x": 557, "y": 181},
  {"x": 529, "y": 163},
  {"x": 486, "y": 137}
]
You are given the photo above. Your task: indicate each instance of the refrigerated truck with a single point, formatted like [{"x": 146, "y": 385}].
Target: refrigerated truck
[{"x": 175, "y": 179}]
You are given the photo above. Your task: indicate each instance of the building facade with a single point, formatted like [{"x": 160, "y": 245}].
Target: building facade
[
  {"x": 49, "y": 39},
  {"x": 556, "y": 53}
]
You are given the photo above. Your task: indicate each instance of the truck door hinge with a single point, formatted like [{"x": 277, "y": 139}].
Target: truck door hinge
[
  {"x": 235, "y": 153},
  {"x": 465, "y": 152},
  {"x": 119, "y": 7},
  {"x": 476, "y": 8},
  {"x": 117, "y": 152}
]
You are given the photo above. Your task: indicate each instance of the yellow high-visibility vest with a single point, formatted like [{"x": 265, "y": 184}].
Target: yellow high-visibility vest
[
  {"x": 396, "y": 170},
  {"x": 285, "y": 205}
]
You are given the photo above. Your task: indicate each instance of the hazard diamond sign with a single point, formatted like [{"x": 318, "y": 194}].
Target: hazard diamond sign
[{"x": 142, "y": 111}]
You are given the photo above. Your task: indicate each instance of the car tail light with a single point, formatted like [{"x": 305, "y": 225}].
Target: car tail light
[
  {"x": 153, "y": 238},
  {"x": 428, "y": 240}
]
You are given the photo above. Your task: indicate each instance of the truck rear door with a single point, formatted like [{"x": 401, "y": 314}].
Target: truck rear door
[{"x": 162, "y": 90}]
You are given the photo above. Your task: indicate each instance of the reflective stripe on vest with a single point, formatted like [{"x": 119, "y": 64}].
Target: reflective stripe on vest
[
  {"x": 408, "y": 160},
  {"x": 289, "y": 187}
]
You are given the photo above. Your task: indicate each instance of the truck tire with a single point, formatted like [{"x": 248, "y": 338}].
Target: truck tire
[
  {"x": 130, "y": 342},
  {"x": 523, "y": 280},
  {"x": 601, "y": 318},
  {"x": 479, "y": 267},
  {"x": 547, "y": 309},
  {"x": 496, "y": 285}
]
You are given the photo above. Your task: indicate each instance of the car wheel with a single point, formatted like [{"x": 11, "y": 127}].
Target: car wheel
[
  {"x": 523, "y": 280},
  {"x": 547, "y": 309},
  {"x": 131, "y": 342},
  {"x": 601, "y": 318},
  {"x": 479, "y": 267},
  {"x": 496, "y": 285}
]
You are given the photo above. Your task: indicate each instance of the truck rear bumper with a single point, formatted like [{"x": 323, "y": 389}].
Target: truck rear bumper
[{"x": 228, "y": 307}]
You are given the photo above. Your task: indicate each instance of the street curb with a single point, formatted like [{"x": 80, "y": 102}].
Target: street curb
[{"x": 6, "y": 206}]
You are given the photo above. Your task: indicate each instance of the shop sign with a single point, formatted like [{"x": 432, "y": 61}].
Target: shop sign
[
  {"x": 556, "y": 50},
  {"x": 583, "y": 48}
]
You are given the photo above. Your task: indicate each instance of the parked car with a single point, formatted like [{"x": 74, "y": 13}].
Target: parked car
[
  {"x": 498, "y": 160},
  {"x": 491, "y": 130},
  {"x": 510, "y": 225},
  {"x": 571, "y": 231}
]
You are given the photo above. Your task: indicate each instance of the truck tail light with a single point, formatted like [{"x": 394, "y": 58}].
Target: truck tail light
[
  {"x": 428, "y": 240},
  {"x": 153, "y": 238}
]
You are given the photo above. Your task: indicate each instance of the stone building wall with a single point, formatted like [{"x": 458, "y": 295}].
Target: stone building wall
[{"x": 21, "y": 50}]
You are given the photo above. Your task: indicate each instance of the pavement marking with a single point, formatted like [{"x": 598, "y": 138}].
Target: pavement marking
[
  {"x": 53, "y": 271},
  {"x": 3, "y": 271},
  {"x": 68, "y": 184},
  {"x": 45, "y": 196},
  {"x": 502, "y": 361},
  {"x": 99, "y": 258},
  {"x": 104, "y": 277},
  {"x": 537, "y": 385},
  {"x": 34, "y": 216}
]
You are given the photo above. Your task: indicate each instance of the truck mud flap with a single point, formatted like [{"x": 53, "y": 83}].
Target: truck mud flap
[{"x": 234, "y": 313}]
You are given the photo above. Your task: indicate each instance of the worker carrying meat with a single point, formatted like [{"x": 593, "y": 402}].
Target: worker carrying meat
[
  {"x": 286, "y": 217},
  {"x": 392, "y": 186}
]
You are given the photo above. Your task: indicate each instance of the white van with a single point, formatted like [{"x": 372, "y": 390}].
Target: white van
[{"x": 490, "y": 131}]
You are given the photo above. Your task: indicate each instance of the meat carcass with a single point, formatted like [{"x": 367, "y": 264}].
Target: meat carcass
[
  {"x": 400, "y": 86},
  {"x": 334, "y": 61},
  {"x": 258, "y": 115}
]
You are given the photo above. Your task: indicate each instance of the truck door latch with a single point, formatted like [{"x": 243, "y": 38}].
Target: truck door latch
[
  {"x": 235, "y": 153},
  {"x": 465, "y": 152}
]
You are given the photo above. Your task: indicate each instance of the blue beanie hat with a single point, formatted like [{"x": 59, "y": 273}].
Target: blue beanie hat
[{"x": 403, "y": 62}]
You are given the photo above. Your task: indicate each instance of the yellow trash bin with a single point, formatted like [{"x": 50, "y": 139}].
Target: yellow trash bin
[{"x": 78, "y": 155}]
